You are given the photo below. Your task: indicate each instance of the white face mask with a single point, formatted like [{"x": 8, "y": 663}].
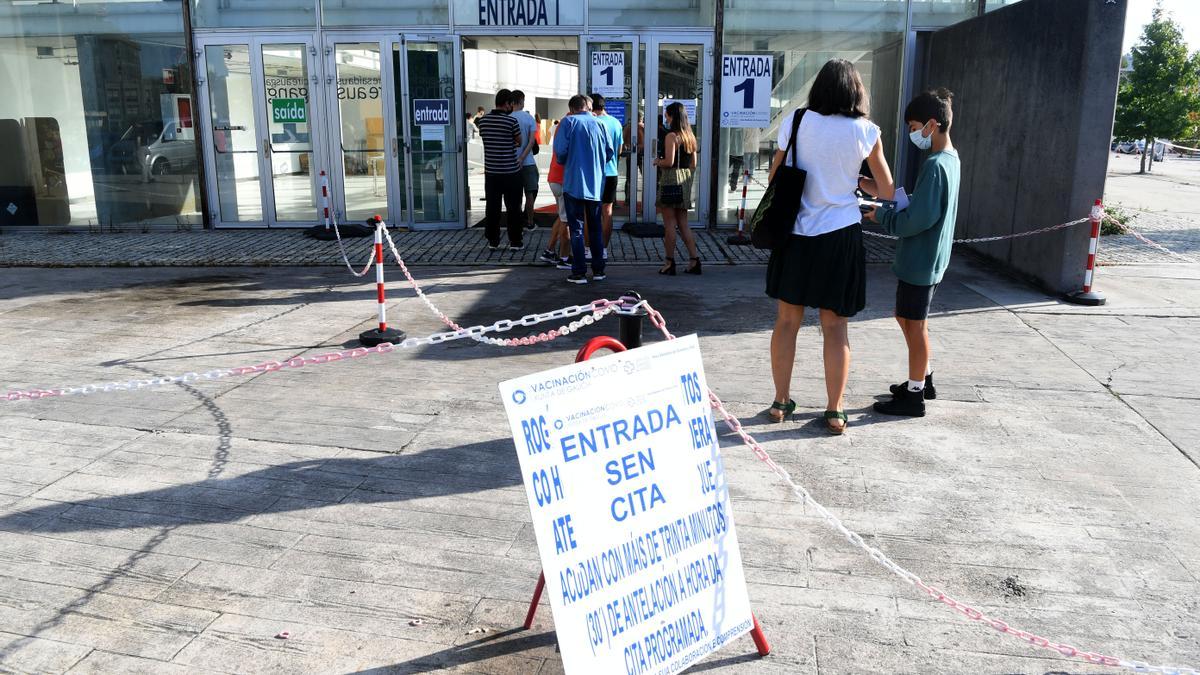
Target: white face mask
[{"x": 920, "y": 140}]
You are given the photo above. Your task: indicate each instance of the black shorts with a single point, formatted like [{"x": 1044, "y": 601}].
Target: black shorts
[
  {"x": 912, "y": 302},
  {"x": 609, "y": 196}
]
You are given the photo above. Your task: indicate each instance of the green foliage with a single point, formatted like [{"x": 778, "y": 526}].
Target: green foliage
[
  {"x": 1156, "y": 99},
  {"x": 1115, "y": 218}
]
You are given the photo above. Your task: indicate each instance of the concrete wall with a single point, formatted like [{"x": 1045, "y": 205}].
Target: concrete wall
[{"x": 1035, "y": 91}]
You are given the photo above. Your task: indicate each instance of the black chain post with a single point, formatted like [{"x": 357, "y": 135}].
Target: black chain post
[{"x": 631, "y": 322}]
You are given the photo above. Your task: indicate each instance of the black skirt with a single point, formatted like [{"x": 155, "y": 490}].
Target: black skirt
[{"x": 828, "y": 271}]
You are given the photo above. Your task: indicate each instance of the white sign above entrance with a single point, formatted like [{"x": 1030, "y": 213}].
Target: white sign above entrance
[
  {"x": 518, "y": 12},
  {"x": 608, "y": 74},
  {"x": 746, "y": 90},
  {"x": 630, "y": 508}
]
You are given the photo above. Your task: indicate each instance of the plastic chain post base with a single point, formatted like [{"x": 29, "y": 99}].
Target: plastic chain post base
[
  {"x": 1091, "y": 298},
  {"x": 596, "y": 344},
  {"x": 376, "y": 337},
  {"x": 348, "y": 231}
]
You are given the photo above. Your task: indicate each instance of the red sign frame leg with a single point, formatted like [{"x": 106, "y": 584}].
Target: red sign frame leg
[{"x": 591, "y": 347}]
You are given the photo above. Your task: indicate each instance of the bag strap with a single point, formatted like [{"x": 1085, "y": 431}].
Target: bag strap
[{"x": 791, "y": 148}]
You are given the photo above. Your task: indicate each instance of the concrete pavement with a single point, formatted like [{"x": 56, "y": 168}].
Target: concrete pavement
[{"x": 373, "y": 509}]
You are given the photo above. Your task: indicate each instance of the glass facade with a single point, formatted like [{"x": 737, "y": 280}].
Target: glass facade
[
  {"x": 97, "y": 119},
  {"x": 940, "y": 13},
  {"x": 254, "y": 13},
  {"x": 96, "y": 116},
  {"x": 802, "y": 35},
  {"x": 636, "y": 14},
  {"x": 385, "y": 12}
]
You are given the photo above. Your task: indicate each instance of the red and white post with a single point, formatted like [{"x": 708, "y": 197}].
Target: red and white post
[
  {"x": 325, "y": 199},
  {"x": 740, "y": 239},
  {"x": 1087, "y": 296},
  {"x": 382, "y": 334}
]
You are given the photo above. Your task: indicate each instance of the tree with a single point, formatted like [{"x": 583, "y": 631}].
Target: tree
[{"x": 1155, "y": 101}]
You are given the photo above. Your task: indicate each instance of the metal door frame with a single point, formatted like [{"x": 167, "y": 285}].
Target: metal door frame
[
  {"x": 456, "y": 123},
  {"x": 653, "y": 42},
  {"x": 637, "y": 97},
  {"x": 386, "y": 40},
  {"x": 254, "y": 44}
]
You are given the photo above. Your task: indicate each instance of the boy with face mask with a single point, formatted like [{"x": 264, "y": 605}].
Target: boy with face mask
[{"x": 926, "y": 232}]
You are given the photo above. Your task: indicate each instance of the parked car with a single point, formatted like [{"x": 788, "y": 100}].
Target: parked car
[
  {"x": 125, "y": 156},
  {"x": 1136, "y": 148},
  {"x": 1160, "y": 149},
  {"x": 167, "y": 154}
]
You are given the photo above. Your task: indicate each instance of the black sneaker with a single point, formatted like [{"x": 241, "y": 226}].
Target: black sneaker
[
  {"x": 905, "y": 404},
  {"x": 565, "y": 264},
  {"x": 930, "y": 390},
  {"x": 493, "y": 247},
  {"x": 530, "y": 226},
  {"x": 577, "y": 279},
  {"x": 516, "y": 247},
  {"x": 548, "y": 257},
  {"x": 599, "y": 277}
]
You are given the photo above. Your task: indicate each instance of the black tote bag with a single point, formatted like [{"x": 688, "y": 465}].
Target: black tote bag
[{"x": 776, "y": 214}]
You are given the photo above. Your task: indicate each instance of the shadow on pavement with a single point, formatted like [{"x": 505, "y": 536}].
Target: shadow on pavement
[
  {"x": 294, "y": 486},
  {"x": 465, "y": 654}
]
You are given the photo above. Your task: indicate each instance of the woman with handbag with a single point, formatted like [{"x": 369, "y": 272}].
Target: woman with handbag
[
  {"x": 820, "y": 261},
  {"x": 676, "y": 169}
]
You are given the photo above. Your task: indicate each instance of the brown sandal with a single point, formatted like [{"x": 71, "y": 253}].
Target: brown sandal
[
  {"x": 830, "y": 416},
  {"x": 780, "y": 412}
]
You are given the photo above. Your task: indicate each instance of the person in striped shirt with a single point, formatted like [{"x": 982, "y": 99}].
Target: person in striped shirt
[{"x": 501, "y": 136}]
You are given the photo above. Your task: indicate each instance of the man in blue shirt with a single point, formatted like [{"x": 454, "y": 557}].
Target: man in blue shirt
[
  {"x": 583, "y": 148},
  {"x": 616, "y": 133}
]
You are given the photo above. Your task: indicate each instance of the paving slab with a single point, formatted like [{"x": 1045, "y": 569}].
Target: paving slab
[{"x": 373, "y": 508}]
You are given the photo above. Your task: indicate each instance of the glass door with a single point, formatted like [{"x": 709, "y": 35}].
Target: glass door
[
  {"x": 260, "y": 147},
  {"x": 428, "y": 72},
  {"x": 679, "y": 68},
  {"x": 229, "y": 123},
  {"x": 611, "y": 68},
  {"x": 365, "y": 176}
]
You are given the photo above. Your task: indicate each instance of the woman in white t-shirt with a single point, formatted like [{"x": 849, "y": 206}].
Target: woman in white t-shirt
[{"x": 823, "y": 263}]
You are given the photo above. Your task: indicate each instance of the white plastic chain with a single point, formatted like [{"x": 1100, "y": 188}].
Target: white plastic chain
[
  {"x": 887, "y": 563},
  {"x": 510, "y": 342},
  {"x": 975, "y": 240},
  {"x": 1147, "y": 241},
  {"x": 980, "y": 240},
  {"x": 589, "y": 314},
  {"x": 346, "y": 259}
]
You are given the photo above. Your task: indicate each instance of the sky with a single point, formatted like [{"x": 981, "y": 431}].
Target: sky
[{"x": 1185, "y": 12}]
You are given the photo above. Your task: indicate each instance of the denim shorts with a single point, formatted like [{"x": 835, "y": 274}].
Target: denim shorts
[{"x": 530, "y": 177}]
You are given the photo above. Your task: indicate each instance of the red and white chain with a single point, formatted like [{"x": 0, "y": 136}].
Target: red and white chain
[
  {"x": 588, "y": 314},
  {"x": 887, "y": 563}
]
